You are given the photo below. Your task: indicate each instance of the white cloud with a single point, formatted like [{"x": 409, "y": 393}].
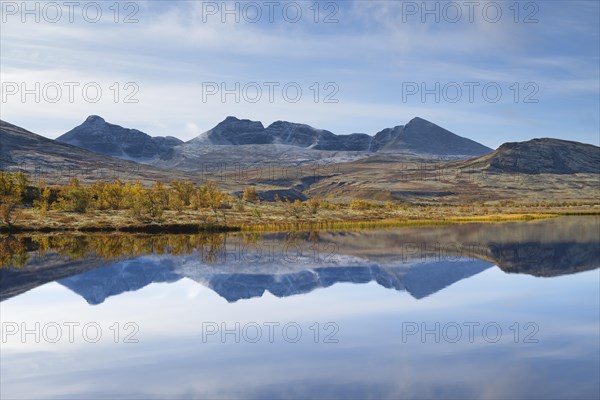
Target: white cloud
[{"x": 369, "y": 53}]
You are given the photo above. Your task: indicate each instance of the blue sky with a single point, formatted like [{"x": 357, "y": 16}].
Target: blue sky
[{"x": 374, "y": 58}]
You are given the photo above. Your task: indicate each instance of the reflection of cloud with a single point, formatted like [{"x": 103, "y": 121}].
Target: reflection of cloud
[
  {"x": 184, "y": 366},
  {"x": 171, "y": 359}
]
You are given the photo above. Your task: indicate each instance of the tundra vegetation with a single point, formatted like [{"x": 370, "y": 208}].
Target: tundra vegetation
[{"x": 181, "y": 205}]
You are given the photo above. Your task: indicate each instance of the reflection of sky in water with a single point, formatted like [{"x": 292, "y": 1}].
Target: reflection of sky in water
[{"x": 370, "y": 359}]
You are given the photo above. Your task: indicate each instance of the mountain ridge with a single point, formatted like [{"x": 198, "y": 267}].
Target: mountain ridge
[
  {"x": 56, "y": 162},
  {"x": 417, "y": 137},
  {"x": 422, "y": 279},
  {"x": 95, "y": 134},
  {"x": 540, "y": 156}
]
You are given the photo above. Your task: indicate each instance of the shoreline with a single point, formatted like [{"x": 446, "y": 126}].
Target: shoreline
[{"x": 258, "y": 227}]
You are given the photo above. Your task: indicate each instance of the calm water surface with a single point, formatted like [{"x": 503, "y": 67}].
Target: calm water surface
[{"x": 473, "y": 311}]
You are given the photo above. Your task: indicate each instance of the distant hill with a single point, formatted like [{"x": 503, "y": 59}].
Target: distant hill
[
  {"x": 20, "y": 147},
  {"x": 97, "y": 135},
  {"x": 56, "y": 162},
  {"x": 540, "y": 156}
]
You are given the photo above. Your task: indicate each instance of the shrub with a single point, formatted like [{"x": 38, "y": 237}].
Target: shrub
[
  {"x": 43, "y": 201},
  {"x": 9, "y": 209},
  {"x": 239, "y": 206},
  {"x": 148, "y": 205},
  {"x": 214, "y": 197},
  {"x": 114, "y": 194},
  {"x": 74, "y": 197},
  {"x": 256, "y": 213},
  {"x": 249, "y": 194},
  {"x": 326, "y": 205},
  {"x": 313, "y": 205},
  {"x": 293, "y": 209},
  {"x": 181, "y": 194},
  {"x": 13, "y": 184},
  {"x": 359, "y": 204}
]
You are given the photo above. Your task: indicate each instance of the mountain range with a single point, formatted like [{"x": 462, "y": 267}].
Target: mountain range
[
  {"x": 415, "y": 162},
  {"x": 420, "y": 280},
  {"x": 417, "y": 137}
]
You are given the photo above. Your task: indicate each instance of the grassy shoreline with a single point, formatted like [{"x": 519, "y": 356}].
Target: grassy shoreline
[
  {"x": 116, "y": 222},
  {"x": 183, "y": 207}
]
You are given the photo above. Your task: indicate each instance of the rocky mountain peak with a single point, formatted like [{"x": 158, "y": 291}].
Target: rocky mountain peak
[
  {"x": 233, "y": 131},
  {"x": 233, "y": 123},
  {"x": 94, "y": 119},
  {"x": 95, "y": 134},
  {"x": 423, "y": 137}
]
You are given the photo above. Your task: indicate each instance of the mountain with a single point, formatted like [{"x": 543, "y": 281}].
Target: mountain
[
  {"x": 56, "y": 162},
  {"x": 19, "y": 147},
  {"x": 296, "y": 161},
  {"x": 423, "y": 137},
  {"x": 302, "y": 135},
  {"x": 95, "y": 134},
  {"x": 233, "y": 131},
  {"x": 541, "y": 156},
  {"x": 418, "y": 136},
  {"x": 244, "y": 143}
]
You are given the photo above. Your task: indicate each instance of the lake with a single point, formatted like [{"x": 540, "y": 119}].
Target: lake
[{"x": 507, "y": 310}]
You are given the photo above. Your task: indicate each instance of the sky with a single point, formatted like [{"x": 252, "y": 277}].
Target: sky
[{"x": 494, "y": 72}]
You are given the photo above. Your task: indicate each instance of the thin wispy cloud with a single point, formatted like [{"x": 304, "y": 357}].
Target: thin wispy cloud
[{"x": 373, "y": 50}]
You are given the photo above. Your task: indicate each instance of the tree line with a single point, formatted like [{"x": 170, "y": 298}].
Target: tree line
[
  {"x": 145, "y": 203},
  {"x": 148, "y": 204}
]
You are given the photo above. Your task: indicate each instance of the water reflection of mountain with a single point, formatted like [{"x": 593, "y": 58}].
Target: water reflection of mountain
[
  {"x": 547, "y": 259},
  {"x": 234, "y": 283},
  {"x": 420, "y": 261},
  {"x": 99, "y": 283}
]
